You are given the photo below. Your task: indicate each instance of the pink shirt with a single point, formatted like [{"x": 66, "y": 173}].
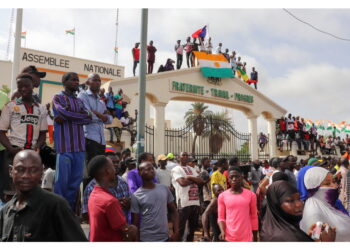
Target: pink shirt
[{"x": 239, "y": 212}]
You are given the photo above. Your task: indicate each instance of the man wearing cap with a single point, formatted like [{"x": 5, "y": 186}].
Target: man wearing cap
[
  {"x": 163, "y": 174},
  {"x": 129, "y": 164},
  {"x": 171, "y": 161},
  {"x": 36, "y": 75},
  {"x": 25, "y": 118}
]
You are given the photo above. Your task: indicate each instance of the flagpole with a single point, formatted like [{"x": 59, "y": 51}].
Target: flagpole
[
  {"x": 116, "y": 39},
  {"x": 140, "y": 137},
  {"x": 16, "y": 54},
  {"x": 74, "y": 43}
]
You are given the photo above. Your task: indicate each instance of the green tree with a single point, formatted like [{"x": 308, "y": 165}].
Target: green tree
[
  {"x": 197, "y": 117},
  {"x": 218, "y": 131}
]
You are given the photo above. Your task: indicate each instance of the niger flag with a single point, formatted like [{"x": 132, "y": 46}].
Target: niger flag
[{"x": 213, "y": 65}]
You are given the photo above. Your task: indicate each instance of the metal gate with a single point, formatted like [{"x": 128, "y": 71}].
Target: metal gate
[
  {"x": 149, "y": 139},
  {"x": 218, "y": 139}
]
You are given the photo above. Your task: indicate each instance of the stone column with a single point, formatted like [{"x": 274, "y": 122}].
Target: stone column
[
  {"x": 271, "y": 128},
  {"x": 159, "y": 128},
  {"x": 253, "y": 130}
]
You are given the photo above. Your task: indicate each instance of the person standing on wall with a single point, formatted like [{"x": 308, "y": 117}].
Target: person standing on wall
[
  {"x": 136, "y": 56},
  {"x": 151, "y": 52},
  {"x": 179, "y": 54}
]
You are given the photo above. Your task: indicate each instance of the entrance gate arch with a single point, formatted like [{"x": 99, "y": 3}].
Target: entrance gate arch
[{"x": 190, "y": 85}]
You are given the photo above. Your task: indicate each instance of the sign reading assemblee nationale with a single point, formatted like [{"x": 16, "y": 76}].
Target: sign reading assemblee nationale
[
  {"x": 66, "y": 64},
  {"x": 213, "y": 92}
]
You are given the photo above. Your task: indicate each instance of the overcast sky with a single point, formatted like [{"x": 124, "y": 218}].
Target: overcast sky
[{"x": 303, "y": 70}]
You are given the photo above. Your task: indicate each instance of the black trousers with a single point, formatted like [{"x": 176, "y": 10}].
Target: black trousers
[
  {"x": 92, "y": 149},
  {"x": 189, "y": 59},
  {"x": 134, "y": 67},
  {"x": 179, "y": 58},
  {"x": 190, "y": 214}
]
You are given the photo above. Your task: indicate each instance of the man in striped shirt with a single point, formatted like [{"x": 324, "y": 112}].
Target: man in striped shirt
[{"x": 70, "y": 116}]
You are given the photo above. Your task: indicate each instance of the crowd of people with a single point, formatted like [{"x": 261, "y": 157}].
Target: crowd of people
[
  {"x": 188, "y": 48},
  {"x": 51, "y": 192},
  {"x": 294, "y": 129}
]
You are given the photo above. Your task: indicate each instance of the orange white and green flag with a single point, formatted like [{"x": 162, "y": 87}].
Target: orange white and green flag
[
  {"x": 71, "y": 32},
  {"x": 308, "y": 124},
  {"x": 116, "y": 50},
  {"x": 213, "y": 65},
  {"x": 24, "y": 34}
]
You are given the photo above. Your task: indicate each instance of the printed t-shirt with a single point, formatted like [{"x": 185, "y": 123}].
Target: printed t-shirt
[
  {"x": 189, "y": 195},
  {"x": 25, "y": 122}
]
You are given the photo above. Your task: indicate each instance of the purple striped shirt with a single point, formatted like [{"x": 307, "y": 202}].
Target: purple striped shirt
[{"x": 69, "y": 136}]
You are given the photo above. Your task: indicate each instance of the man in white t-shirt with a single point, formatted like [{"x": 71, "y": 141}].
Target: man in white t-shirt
[{"x": 185, "y": 181}]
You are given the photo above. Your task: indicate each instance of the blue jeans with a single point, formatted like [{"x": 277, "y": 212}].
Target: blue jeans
[{"x": 69, "y": 175}]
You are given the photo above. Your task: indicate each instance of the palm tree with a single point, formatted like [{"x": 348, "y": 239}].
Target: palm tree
[
  {"x": 218, "y": 131},
  {"x": 196, "y": 117}
]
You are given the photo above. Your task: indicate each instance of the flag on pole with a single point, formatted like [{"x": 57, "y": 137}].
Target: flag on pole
[
  {"x": 330, "y": 125},
  {"x": 346, "y": 128},
  {"x": 116, "y": 50},
  {"x": 308, "y": 124},
  {"x": 200, "y": 33},
  {"x": 242, "y": 74},
  {"x": 319, "y": 125},
  {"x": 24, "y": 34},
  {"x": 213, "y": 65},
  {"x": 71, "y": 32}
]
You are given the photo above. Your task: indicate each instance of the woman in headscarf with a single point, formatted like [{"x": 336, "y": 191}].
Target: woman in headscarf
[
  {"x": 320, "y": 206},
  {"x": 284, "y": 211},
  {"x": 304, "y": 194}
]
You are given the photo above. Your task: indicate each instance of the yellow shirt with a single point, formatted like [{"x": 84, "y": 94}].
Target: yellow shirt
[{"x": 218, "y": 178}]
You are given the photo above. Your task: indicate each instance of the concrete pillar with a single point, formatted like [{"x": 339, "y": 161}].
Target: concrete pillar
[
  {"x": 271, "y": 128},
  {"x": 253, "y": 130},
  {"x": 159, "y": 128}
]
